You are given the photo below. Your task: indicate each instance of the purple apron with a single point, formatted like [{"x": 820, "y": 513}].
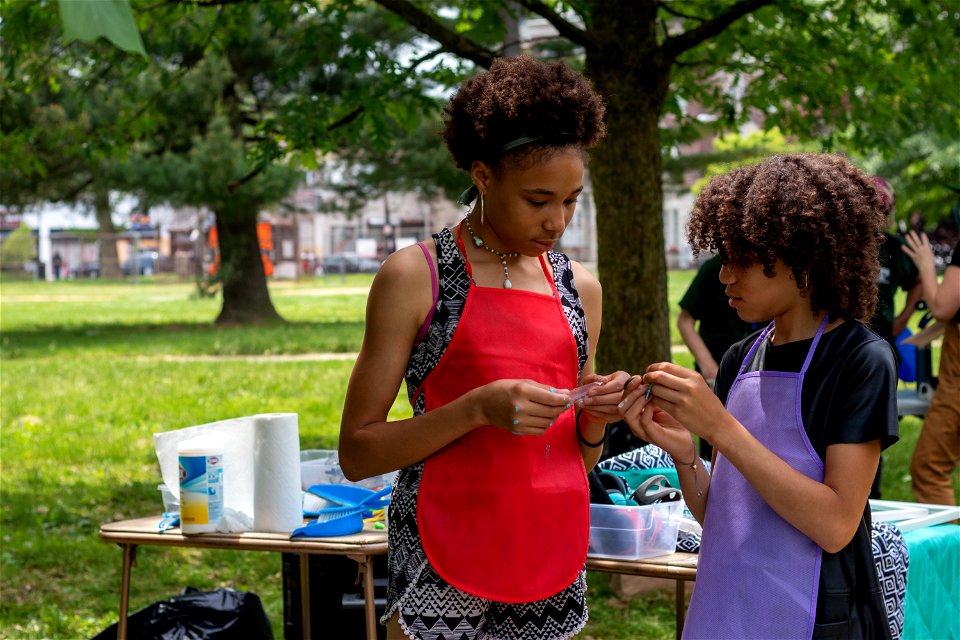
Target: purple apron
[{"x": 758, "y": 576}]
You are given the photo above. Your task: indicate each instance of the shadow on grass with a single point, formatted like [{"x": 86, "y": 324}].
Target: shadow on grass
[
  {"x": 184, "y": 339},
  {"x": 61, "y": 581},
  {"x": 71, "y": 503}
]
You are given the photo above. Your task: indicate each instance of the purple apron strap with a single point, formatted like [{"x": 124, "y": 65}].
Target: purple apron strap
[
  {"x": 753, "y": 349},
  {"x": 813, "y": 347},
  {"x": 766, "y": 332}
]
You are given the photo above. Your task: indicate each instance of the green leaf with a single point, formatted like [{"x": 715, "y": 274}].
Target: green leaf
[{"x": 87, "y": 20}]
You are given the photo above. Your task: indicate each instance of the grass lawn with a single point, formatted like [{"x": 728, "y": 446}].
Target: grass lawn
[{"x": 89, "y": 371}]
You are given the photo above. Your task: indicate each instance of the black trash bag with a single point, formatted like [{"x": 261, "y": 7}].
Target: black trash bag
[{"x": 224, "y": 614}]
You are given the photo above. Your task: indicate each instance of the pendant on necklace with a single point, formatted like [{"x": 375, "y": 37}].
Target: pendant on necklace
[{"x": 502, "y": 256}]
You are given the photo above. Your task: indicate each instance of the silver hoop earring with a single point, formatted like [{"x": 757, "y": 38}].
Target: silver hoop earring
[
  {"x": 806, "y": 281},
  {"x": 481, "y": 209}
]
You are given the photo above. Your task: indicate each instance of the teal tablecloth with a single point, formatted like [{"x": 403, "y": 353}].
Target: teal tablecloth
[{"x": 932, "y": 603}]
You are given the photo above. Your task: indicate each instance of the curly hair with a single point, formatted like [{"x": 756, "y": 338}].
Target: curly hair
[
  {"x": 820, "y": 215},
  {"x": 521, "y": 97}
]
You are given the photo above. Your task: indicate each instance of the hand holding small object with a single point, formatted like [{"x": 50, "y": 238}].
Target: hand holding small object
[
  {"x": 683, "y": 394},
  {"x": 601, "y": 403},
  {"x": 522, "y": 407},
  {"x": 650, "y": 422}
]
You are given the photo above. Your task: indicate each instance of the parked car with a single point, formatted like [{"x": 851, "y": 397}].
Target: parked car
[
  {"x": 146, "y": 264},
  {"x": 348, "y": 263},
  {"x": 89, "y": 269}
]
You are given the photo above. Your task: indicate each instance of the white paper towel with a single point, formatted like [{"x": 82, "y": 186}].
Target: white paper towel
[
  {"x": 260, "y": 454},
  {"x": 276, "y": 498}
]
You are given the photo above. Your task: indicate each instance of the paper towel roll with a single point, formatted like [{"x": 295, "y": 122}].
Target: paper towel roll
[{"x": 276, "y": 497}]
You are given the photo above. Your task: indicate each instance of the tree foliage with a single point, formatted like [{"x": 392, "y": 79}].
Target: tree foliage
[
  {"x": 19, "y": 247},
  {"x": 66, "y": 114},
  {"x": 111, "y": 19},
  {"x": 416, "y": 162},
  {"x": 233, "y": 99},
  {"x": 925, "y": 175}
]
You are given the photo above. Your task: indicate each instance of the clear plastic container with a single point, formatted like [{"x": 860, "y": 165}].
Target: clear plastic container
[
  {"x": 322, "y": 466},
  {"x": 630, "y": 533},
  {"x": 170, "y": 502}
]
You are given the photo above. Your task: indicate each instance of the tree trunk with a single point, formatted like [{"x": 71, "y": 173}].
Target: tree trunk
[
  {"x": 246, "y": 299},
  {"x": 109, "y": 263},
  {"x": 626, "y": 173},
  {"x": 511, "y": 24}
]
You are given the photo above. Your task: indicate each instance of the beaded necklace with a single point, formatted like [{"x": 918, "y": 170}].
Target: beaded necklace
[{"x": 503, "y": 256}]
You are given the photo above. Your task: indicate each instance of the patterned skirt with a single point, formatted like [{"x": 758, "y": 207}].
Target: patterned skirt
[{"x": 429, "y": 608}]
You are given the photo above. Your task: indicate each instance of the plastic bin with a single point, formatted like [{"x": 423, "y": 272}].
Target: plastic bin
[
  {"x": 336, "y": 600},
  {"x": 322, "y": 466},
  {"x": 630, "y": 533}
]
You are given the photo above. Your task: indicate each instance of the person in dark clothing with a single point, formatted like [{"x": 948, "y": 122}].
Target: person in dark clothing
[{"x": 897, "y": 271}]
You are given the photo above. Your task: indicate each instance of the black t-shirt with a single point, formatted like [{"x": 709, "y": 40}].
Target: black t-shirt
[
  {"x": 897, "y": 271},
  {"x": 705, "y": 300},
  {"x": 849, "y": 390},
  {"x": 848, "y": 396}
]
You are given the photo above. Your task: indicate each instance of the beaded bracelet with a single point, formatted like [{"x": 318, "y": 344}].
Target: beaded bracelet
[{"x": 592, "y": 445}]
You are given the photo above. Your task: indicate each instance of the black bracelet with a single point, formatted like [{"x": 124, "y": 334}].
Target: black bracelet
[{"x": 592, "y": 445}]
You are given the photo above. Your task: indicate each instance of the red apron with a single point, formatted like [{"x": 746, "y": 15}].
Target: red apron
[{"x": 501, "y": 516}]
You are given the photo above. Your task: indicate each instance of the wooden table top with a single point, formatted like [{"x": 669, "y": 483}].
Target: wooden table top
[
  {"x": 681, "y": 566},
  {"x": 143, "y": 531},
  {"x": 370, "y": 541}
]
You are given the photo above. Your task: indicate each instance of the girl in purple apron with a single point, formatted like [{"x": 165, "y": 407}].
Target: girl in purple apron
[{"x": 801, "y": 412}]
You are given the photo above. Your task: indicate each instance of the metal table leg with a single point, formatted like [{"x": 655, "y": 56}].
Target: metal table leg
[
  {"x": 369, "y": 602},
  {"x": 681, "y": 606},
  {"x": 129, "y": 560},
  {"x": 305, "y": 595}
]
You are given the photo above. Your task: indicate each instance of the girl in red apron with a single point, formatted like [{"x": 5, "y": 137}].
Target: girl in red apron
[
  {"x": 491, "y": 330},
  {"x": 802, "y": 409}
]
